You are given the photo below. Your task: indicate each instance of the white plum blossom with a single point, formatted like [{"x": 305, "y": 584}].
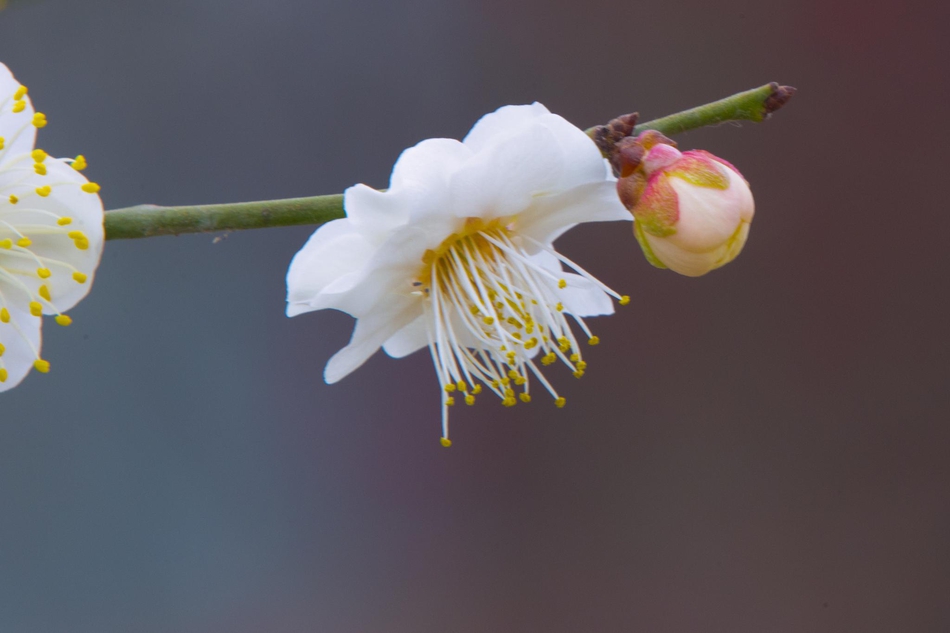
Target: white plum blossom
[
  {"x": 51, "y": 234},
  {"x": 457, "y": 256}
]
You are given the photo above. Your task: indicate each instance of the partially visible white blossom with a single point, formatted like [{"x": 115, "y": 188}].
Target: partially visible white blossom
[
  {"x": 51, "y": 234},
  {"x": 457, "y": 256}
]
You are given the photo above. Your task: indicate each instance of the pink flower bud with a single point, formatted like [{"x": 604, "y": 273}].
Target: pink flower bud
[{"x": 692, "y": 210}]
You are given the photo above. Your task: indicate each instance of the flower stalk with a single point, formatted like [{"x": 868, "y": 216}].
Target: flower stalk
[{"x": 152, "y": 220}]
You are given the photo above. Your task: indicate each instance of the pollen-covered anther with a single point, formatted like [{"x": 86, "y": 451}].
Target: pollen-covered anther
[
  {"x": 624, "y": 300},
  {"x": 560, "y": 402},
  {"x": 64, "y": 320},
  {"x": 44, "y": 191},
  {"x": 39, "y": 120},
  {"x": 594, "y": 340},
  {"x": 36, "y": 308},
  {"x": 44, "y": 273},
  {"x": 91, "y": 187},
  {"x": 41, "y": 365},
  {"x": 79, "y": 163}
]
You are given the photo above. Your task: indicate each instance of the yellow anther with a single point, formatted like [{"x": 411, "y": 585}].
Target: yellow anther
[
  {"x": 477, "y": 389},
  {"x": 64, "y": 221},
  {"x": 35, "y": 308},
  {"x": 461, "y": 386},
  {"x": 44, "y": 273},
  {"x": 446, "y": 442},
  {"x": 44, "y": 292},
  {"x": 44, "y": 191},
  {"x": 13, "y": 198},
  {"x": 562, "y": 283},
  {"x": 4, "y": 315},
  {"x": 79, "y": 163},
  {"x": 3, "y": 375},
  {"x": 548, "y": 358},
  {"x": 20, "y": 93},
  {"x": 7, "y": 243},
  {"x": 495, "y": 383},
  {"x": 488, "y": 320},
  {"x": 449, "y": 388},
  {"x": 64, "y": 320},
  {"x": 19, "y": 105},
  {"x": 76, "y": 235},
  {"x": 578, "y": 373},
  {"x": 23, "y": 242},
  {"x": 575, "y": 357},
  {"x": 38, "y": 155},
  {"x": 560, "y": 402},
  {"x": 41, "y": 365},
  {"x": 2, "y": 349},
  {"x": 40, "y": 169},
  {"x": 520, "y": 380},
  {"x": 450, "y": 401},
  {"x": 39, "y": 120},
  {"x": 624, "y": 300},
  {"x": 525, "y": 397},
  {"x": 91, "y": 187},
  {"x": 582, "y": 365},
  {"x": 594, "y": 340},
  {"x": 506, "y": 381},
  {"x": 509, "y": 402},
  {"x": 470, "y": 399},
  {"x": 79, "y": 277},
  {"x": 3, "y": 142},
  {"x": 516, "y": 335},
  {"x": 513, "y": 374},
  {"x": 82, "y": 243},
  {"x": 559, "y": 307}
]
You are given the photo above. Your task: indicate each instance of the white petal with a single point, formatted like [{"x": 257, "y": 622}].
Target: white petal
[
  {"x": 369, "y": 334},
  {"x": 580, "y": 159},
  {"x": 375, "y": 212},
  {"x": 501, "y": 179},
  {"x": 16, "y": 128},
  {"x": 18, "y": 357},
  {"x": 707, "y": 216},
  {"x": 429, "y": 164},
  {"x": 550, "y": 216},
  {"x": 56, "y": 250},
  {"x": 409, "y": 339},
  {"x": 335, "y": 251},
  {"x": 581, "y": 296},
  {"x": 385, "y": 277}
]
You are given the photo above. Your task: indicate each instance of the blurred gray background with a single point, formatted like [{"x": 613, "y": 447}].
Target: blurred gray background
[{"x": 762, "y": 449}]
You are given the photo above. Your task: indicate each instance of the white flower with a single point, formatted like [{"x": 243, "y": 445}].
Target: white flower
[
  {"x": 457, "y": 255},
  {"x": 50, "y": 234}
]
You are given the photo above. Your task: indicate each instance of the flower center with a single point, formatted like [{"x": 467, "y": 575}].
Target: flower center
[{"x": 493, "y": 311}]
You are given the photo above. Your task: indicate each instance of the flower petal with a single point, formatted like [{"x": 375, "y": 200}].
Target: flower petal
[
  {"x": 370, "y": 333},
  {"x": 20, "y": 337},
  {"x": 16, "y": 128},
  {"x": 580, "y": 159},
  {"x": 51, "y": 247},
  {"x": 581, "y": 297},
  {"x": 336, "y": 251},
  {"x": 550, "y": 216},
  {"x": 501, "y": 179},
  {"x": 409, "y": 339}
]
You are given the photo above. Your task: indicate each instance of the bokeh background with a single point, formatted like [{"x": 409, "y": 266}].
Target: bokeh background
[{"x": 763, "y": 449}]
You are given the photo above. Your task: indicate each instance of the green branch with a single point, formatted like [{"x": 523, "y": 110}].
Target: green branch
[{"x": 148, "y": 220}]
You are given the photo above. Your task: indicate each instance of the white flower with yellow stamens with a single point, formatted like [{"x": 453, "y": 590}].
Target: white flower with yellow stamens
[
  {"x": 50, "y": 234},
  {"x": 457, "y": 255}
]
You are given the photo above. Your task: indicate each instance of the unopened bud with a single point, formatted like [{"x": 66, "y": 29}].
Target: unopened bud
[{"x": 692, "y": 211}]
